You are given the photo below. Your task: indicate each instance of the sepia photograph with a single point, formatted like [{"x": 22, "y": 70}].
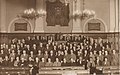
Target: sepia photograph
[{"x": 59, "y": 37}]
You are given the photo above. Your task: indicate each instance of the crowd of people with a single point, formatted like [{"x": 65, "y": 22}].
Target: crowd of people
[{"x": 79, "y": 51}]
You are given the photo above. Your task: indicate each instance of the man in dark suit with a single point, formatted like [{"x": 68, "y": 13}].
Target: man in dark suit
[
  {"x": 80, "y": 62},
  {"x": 72, "y": 63},
  {"x": 42, "y": 62},
  {"x": 6, "y": 61},
  {"x": 40, "y": 47},
  {"x": 49, "y": 63},
  {"x": 106, "y": 62},
  {"x": 11, "y": 62},
  {"x": 1, "y": 61},
  {"x": 91, "y": 65},
  {"x": 107, "y": 43},
  {"x": 34, "y": 49},
  {"x": 30, "y": 62},
  {"x": 47, "y": 48},
  {"x": 64, "y": 63},
  {"x": 35, "y": 70},
  {"x": 98, "y": 62},
  {"x": 2, "y": 54},
  {"x": 115, "y": 58},
  {"x": 29, "y": 41},
  {"x": 52, "y": 56},
  {"x": 23, "y": 63},
  {"x": 57, "y": 62}
]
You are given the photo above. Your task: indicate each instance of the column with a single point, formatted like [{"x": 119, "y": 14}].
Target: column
[
  {"x": 117, "y": 16},
  {"x": 112, "y": 15},
  {"x": 0, "y": 16},
  {"x": 3, "y": 15},
  {"x": 119, "y": 31},
  {"x": 39, "y": 27},
  {"x": 76, "y": 23}
]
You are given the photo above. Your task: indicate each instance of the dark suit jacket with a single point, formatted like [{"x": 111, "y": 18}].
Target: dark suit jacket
[
  {"x": 5, "y": 63},
  {"x": 11, "y": 64},
  {"x": 64, "y": 64},
  {"x": 42, "y": 64},
  {"x": 52, "y": 57},
  {"x": 80, "y": 63},
  {"x": 98, "y": 63},
  {"x": 23, "y": 64},
  {"x": 107, "y": 63},
  {"x": 35, "y": 70}
]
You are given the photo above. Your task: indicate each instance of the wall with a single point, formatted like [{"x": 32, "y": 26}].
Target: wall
[
  {"x": 101, "y": 8},
  {"x": 102, "y": 26},
  {"x": 0, "y": 15},
  {"x": 20, "y": 20},
  {"x": 105, "y": 10},
  {"x": 119, "y": 14},
  {"x": 41, "y": 25},
  {"x": 39, "y": 21},
  {"x": 15, "y": 7},
  {"x": 3, "y": 15}
]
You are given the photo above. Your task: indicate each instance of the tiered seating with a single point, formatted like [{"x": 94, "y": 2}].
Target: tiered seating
[{"x": 58, "y": 50}]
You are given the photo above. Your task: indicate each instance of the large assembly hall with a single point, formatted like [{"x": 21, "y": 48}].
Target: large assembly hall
[{"x": 59, "y": 37}]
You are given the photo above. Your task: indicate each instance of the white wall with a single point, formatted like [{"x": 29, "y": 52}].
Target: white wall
[
  {"x": 119, "y": 15},
  {"x": 3, "y": 15},
  {"x": 0, "y": 16},
  {"x": 40, "y": 21},
  {"x": 9, "y": 10},
  {"x": 105, "y": 10}
]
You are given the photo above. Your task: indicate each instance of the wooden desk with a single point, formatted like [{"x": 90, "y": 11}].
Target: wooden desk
[
  {"x": 63, "y": 71},
  {"x": 70, "y": 70},
  {"x": 112, "y": 70},
  {"x": 14, "y": 70}
]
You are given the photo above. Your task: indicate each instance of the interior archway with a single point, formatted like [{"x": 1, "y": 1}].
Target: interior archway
[
  {"x": 11, "y": 27},
  {"x": 91, "y": 25}
]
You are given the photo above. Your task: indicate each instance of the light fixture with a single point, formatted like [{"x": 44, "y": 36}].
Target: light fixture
[
  {"x": 85, "y": 13},
  {"x": 33, "y": 14}
]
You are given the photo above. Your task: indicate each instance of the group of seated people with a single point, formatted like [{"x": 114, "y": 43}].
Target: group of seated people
[{"x": 28, "y": 52}]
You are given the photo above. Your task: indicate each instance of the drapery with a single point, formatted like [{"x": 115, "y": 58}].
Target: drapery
[{"x": 57, "y": 13}]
